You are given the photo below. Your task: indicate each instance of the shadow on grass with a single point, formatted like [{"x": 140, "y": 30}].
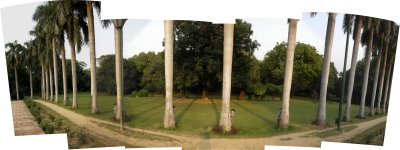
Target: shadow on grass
[
  {"x": 147, "y": 110},
  {"x": 264, "y": 119},
  {"x": 145, "y": 103},
  {"x": 179, "y": 117},
  {"x": 215, "y": 111}
]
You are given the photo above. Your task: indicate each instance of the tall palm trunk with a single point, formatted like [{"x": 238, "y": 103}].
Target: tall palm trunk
[
  {"x": 73, "y": 66},
  {"x": 30, "y": 82},
  {"x": 386, "y": 89},
  {"x": 51, "y": 83},
  {"x": 390, "y": 89},
  {"x": 169, "y": 119},
  {"x": 226, "y": 120},
  {"x": 16, "y": 81},
  {"x": 353, "y": 69},
  {"x": 93, "y": 84},
  {"x": 55, "y": 71},
  {"x": 321, "y": 115},
  {"x": 64, "y": 75},
  {"x": 284, "y": 121},
  {"x": 43, "y": 83},
  {"x": 118, "y": 32},
  {"x": 378, "y": 105},
  {"x": 47, "y": 84},
  {"x": 376, "y": 78},
  {"x": 368, "y": 55}
]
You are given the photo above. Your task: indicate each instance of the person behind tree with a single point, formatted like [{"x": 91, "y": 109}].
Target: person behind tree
[
  {"x": 115, "y": 111},
  {"x": 232, "y": 114},
  {"x": 278, "y": 117},
  {"x": 67, "y": 101}
]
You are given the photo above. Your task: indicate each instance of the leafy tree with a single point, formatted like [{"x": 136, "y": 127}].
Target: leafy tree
[
  {"x": 306, "y": 68},
  {"x": 153, "y": 79},
  {"x": 106, "y": 75},
  {"x": 198, "y": 55}
]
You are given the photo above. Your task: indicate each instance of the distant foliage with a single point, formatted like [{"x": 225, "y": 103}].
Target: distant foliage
[
  {"x": 141, "y": 93},
  {"x": 307, "y": 67},
  {"x": 259, "y": 89}
]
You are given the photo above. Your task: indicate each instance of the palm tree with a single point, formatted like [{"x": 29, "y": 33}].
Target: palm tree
[
  {"x": 392, "y": 37},
  {"x": 371, "y": 26},
  {"x": 39, "y": 46},
  {"x": 382, "y": 73},
  {"x": 105, "y": 24},
  {"x": 169, "y": 119},
  {"x": 226, "y": 120},
  {"x": 321, "y": 114},
  {"x": 347, "y": 28},
  {"x": 13, "y": 59},
  {"x": 118, "y": 26},
  {"x": 93, "y": 85},
  {"x": 376, "y": 78},
  {"x": 284, "y": 121},
  {"x": 47, "y": 20},
  {"x": 386, "y": 87},
  {"x": 29, "y": 62},
  {"x": 71, "y": 17},
  {"x": 357, "y": 38}
]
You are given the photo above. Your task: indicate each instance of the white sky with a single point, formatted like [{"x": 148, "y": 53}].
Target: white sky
[{"x": 147, "y": 35}]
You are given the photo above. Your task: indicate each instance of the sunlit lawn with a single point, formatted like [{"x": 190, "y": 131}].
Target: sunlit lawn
[{"x": 197, "y": 117}]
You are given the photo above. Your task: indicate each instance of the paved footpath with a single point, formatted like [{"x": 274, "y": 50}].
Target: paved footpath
[{"x": 24, "y": 122}]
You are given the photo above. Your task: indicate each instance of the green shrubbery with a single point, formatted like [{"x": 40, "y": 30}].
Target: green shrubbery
[{"x": 141, "y": 93}]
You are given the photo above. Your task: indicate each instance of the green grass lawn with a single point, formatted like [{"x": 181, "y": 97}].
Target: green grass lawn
[{"x": 196, "y": 118}]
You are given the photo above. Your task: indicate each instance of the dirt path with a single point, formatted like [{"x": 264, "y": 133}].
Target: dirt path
[{"x": 293, "y": 139}]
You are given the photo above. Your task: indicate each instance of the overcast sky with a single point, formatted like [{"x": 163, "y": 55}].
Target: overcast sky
[{"x": 147, "y": 35}]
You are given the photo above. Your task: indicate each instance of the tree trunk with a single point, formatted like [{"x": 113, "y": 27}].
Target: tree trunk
[
  {"x": 55, "y": 71},
  {"x": 118, "y": 25},
  {"x": 51, "y": 83},
  {"x": 204, "y": 93},
  {"x": 16, "y": 81},
  {"x": 376, "y": 78},
  {"x": 47, "y": 84},
  {"x": 30, "y": 82},
  {"x": 364, "y": 88},
  {"x": 353, "y": 69},
  {"x": 43, "y": 83},
  {"x": 64, "y": 74},
  {"x": 242, "y": 94},
  {"x": 284, "y": 120},
  {"x": 169, "y": 119},
  {"x": 378, "y": 105},
  {"x": 321, "y": 115},
  {"x": 390, "y": 89},
  {"x": 343, "y": 94},
  {"x": 386, "y": 89},
  {"x": 73, "y": 69},
  {"x": 226, "y": 120},
  {"x": 93, "y": 85}
]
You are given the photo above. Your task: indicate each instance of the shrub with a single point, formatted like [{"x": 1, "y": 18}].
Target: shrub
[
  {"x": 259, "y": 89},
  {"x": 38, "y": 119},
  {"x": 143, "y": 93},
  {"x": 47, "y": 128},
  {"x": 59, "y": 123},
  {"x": 134, "y": 94},
  {"x": 51, "y": 117},
  {"x": 82, "y": 136}
]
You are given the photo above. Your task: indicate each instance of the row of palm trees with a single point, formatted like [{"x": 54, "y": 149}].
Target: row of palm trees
[
  {"x": 75, "y": 20},
  {"x": 378, "y": 35}
]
